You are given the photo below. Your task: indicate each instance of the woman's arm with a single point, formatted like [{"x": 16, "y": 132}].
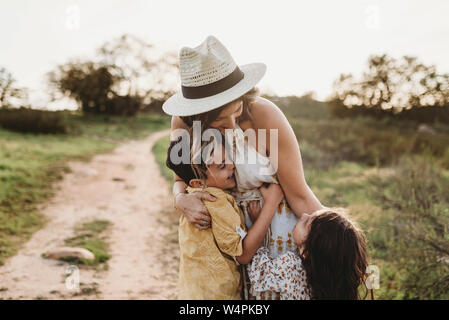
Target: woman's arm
[
  {"x": 287, "y": 159},
  {"x": 191, "y": 205}
]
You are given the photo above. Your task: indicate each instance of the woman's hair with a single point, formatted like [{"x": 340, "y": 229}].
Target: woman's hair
[
  {"x": 334, "y": 256},
  {"x": 207, "y": 118}
]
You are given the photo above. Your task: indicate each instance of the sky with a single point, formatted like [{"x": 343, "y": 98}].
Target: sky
[{"x": 306, "y": 45}]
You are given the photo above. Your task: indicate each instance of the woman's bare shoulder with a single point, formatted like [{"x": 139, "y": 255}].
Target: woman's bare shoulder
[{"x": 264, "y": 112}]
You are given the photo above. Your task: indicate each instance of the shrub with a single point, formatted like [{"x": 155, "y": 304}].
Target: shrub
[
  {"x": 422, "y": 114},
  {"x": 417, "y": 193},
  {"x": 369, "y": 141},
  {"x": 33, "y": 121}
]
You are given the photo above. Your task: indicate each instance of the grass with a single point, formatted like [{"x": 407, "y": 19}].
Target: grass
[
  {"x": 31, "y": 163},
  {"x": 160, "y": 152},
  {"x": 347, "y": 185},
  {"x": 380, "y": 171},
  {"x": 89, "y": 236}
]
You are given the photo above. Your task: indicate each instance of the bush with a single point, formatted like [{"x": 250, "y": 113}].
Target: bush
[
  {"x": 120, "y": 106},
  {"x": 426, "y": 114},
  {"x": 33, "y": 121},
  {"x": 368, "y": 141},
  {"x": 301, "y": 107},
  {"x": 417, "y": 193}
]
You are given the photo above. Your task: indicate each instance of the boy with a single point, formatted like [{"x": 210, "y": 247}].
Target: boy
[{"x": 210, "y": 259}]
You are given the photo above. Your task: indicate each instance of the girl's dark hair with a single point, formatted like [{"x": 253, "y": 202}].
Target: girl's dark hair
[
  {"x": 207, "y": 118},
  {"x": 335, "y": 257}
]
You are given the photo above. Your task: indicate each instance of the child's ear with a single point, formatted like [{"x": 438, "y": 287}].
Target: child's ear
[{"x": 196, "y": 183}]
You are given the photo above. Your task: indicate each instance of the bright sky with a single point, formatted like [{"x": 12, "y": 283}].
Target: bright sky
[{"x": 305, "y": 44}]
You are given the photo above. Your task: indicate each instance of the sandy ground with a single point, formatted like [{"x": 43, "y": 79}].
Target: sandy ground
[{"x": 125, "y": 188}]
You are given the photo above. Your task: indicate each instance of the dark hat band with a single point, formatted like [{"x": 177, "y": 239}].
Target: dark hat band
[{"x": 215, "y": 87}]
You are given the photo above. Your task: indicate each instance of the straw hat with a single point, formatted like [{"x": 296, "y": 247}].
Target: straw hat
[{"x": 210, "y": 79}]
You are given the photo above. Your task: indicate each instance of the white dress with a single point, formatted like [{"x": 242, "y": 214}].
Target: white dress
[{"x": 250, "y": 175}]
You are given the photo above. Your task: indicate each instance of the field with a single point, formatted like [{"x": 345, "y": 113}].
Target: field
[
  {"x": 392, "y": 177},
  {"x": 394, "y": 182}
]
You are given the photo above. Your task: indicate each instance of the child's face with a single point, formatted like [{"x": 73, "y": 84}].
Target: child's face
[
  {"x": 302, "y": 228},
  {"x": 221, "y": 174}
]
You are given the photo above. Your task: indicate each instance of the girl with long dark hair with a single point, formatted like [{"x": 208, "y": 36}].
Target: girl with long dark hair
[{"x": 331, "y": 262}]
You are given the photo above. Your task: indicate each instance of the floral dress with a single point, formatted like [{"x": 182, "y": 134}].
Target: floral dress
[
  {"x": 252, "y": 170},
  {"x": 284, "y": 274}
]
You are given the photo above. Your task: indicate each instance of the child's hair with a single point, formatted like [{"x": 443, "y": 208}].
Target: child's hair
[
  {"x": 335, "y": 256},
  {"x": 197, "y": 167}
]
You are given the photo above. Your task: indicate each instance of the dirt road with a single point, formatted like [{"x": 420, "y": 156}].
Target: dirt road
[{"x": 125, "y": 188}]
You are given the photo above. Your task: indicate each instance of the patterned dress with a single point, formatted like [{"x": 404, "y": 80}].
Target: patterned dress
[
  {"x": 252, "y": 170},
  {"x": 284, "y": 274}
]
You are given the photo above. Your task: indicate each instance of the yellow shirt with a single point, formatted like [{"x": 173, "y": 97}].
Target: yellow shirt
[{"x": 205, "y": 273}]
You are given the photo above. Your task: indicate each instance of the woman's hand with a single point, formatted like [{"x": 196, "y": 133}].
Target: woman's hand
[
  {"x": 194, "y": 209},
  {"x": 272, "y": 194},
  {"x": 254, "y": 210}
]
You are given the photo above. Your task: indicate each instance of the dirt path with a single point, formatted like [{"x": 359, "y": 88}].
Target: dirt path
[{"x": 125, "y": 188}]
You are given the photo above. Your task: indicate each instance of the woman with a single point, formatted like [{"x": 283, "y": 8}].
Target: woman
[
  {"x": 223, "y": 96},
  {"x": 264, "y": 115}
]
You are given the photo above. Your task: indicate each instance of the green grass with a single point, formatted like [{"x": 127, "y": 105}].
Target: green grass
[
  {"x": 89, "y": 236},
  {"x": 347, "y": 185},
  {"x": 30, "y": 163},
  {"x": 367, "y": 166},
  {"x": 160, "y": 152}
]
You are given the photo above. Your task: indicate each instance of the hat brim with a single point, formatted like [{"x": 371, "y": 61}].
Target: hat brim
[{"x": 177, "y": 105}]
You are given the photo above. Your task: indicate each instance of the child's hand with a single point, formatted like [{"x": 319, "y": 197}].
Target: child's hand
[
  {"x": 254, "y": 210},
  {"x": 272, "y": 194}
]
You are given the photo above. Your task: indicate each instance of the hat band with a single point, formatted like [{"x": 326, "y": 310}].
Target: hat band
[{"x": 215, "y": 87}]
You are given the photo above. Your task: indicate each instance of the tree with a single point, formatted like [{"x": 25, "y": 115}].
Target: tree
[
  {"x": 138, "y": 71},
  {"x": 8, "y": 90},
  {"x": 123, "y": 78},
  {"x": 395, "y": 84}
]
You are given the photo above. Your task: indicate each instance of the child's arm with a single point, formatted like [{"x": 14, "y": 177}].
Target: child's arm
[
  {"x": 225, "y": 220},
  {"x": 272, "y": 195}
]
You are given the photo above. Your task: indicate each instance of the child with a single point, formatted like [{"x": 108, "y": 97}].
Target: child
[
  {"x": 331, "y": 265},
  {"x": 210, "y": 259}
]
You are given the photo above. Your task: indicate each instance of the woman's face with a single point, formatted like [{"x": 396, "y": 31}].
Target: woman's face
[
  {"x": 302, "y": 228},
  {"x": 227, "y": 118}
]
